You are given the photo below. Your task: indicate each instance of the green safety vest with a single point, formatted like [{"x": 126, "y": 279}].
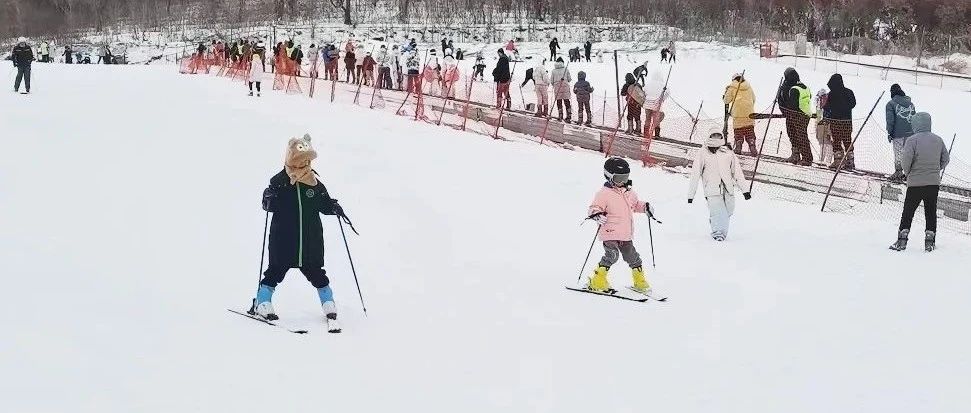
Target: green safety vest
[{"x": 805, "y": 99}]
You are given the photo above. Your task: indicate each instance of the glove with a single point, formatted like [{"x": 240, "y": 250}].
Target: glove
[
  {"x": 649, "y": 209},
  {"x": 269, "y": 197},
  {"x": 600, "y": 218},
  {"x": 690, "y": 200},
  {"x": 747, "y": 195},
  {"x": 336, "y": 207}
]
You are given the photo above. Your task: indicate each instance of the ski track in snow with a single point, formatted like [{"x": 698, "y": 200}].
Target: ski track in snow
[{"x": 131, "y": 205}]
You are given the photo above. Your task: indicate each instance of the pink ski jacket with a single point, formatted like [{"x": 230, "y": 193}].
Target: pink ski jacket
[{"x": 620, "y": 204}]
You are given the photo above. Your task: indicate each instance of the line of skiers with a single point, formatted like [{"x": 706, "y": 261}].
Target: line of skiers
[{"x": 834, "y": 111}]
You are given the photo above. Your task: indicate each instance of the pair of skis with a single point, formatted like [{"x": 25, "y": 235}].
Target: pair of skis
[
  {"x": 331, "y": 327},
  {"x": 641, "y": 296}
]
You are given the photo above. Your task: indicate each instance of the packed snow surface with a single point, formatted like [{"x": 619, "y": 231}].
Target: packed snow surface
[{"x": 131, "y": 217}]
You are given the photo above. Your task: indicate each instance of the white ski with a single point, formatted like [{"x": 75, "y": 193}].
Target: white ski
[{"x": 649, "y": 294}]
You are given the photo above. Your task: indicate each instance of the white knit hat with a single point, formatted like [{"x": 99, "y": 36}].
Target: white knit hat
[{"x": 715, "y": 139}]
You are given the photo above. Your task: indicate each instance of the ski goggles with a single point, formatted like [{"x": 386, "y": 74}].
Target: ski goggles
[{"x": 618, "y": 179}]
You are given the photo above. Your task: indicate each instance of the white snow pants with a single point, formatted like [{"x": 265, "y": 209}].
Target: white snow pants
[{"x": 720, "y": 210}]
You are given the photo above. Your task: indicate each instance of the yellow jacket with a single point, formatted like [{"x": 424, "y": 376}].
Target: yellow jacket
[{"x": 744, "y": 103}]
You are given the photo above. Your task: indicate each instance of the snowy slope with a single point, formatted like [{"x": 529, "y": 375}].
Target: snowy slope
[{"x": 130, "y": 198}]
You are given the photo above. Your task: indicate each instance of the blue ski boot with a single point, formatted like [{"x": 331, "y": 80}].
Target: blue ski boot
[
  {"x": 330, "y": 309},
  {"x": 263, "y": 304}
]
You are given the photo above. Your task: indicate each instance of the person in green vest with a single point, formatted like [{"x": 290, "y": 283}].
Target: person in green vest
[{"x": 795, "y": 100}]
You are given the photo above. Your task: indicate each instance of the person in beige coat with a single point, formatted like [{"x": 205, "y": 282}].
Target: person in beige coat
[{"x": 720, "y": 173}]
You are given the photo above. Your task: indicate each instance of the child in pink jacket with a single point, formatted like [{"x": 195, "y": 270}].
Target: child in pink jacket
[{"x": 613, "y": 208}]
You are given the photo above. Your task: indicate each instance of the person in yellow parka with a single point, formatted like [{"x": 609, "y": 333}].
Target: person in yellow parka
[{"x": 740, "y": 102}]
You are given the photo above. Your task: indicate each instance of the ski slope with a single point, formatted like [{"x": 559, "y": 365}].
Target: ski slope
[{"x": 130, "y": 205}]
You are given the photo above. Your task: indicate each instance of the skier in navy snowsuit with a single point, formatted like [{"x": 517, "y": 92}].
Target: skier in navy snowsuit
[{"x": 297, "y": 198}]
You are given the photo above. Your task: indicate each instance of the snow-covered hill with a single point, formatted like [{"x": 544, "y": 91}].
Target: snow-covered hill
[{"x": 130, "y": 205}]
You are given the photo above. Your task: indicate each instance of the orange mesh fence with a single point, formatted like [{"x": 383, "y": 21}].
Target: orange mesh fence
[{"x": 795, "y": 153}]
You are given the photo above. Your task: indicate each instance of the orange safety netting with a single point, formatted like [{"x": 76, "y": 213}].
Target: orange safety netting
[{"x": 664, "y": 132}]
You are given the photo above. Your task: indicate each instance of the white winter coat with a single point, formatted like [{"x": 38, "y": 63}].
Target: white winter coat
[
  {"x": 256, "y": 73},
  {"x": 654, "y": 87},
  {"x": 561, "y": 80},
  {"x": 381, "y": 58},
  {"x": 359, "y": 54},
  {"x": 719, "y": 171},
  {"x": 540, "y": 76}
]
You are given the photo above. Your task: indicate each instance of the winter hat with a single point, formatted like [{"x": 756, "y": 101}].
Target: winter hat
[
  {"x": 921, "y": 122},
  {"x": 715, "y": 139},
  {"x": 895, "y": 90},
  {"x": 581, "y": 75},
  {"x": 836, "y": 82},
  {"x": 737, "y": 76},
  {"x": 300, "y": 153},
  {"x": 22, "y": 40}
]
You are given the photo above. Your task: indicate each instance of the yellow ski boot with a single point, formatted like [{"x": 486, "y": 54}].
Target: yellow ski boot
[
  {"x": 599, "y": 281},
  {"x": 640, "y": 283}
]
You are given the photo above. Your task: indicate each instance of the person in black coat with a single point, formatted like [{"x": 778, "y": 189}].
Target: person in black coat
[
  {"x": 22, "y": 58},
  {"x": 839, "y": 107},
  {"x": 297, "y": 56},
  {"x": 68, "y": 55},
  {"x": 554, "y": 46},
  {"x": 587, "y": 47},
  {"x": 296, "y": 198},
  {"x": 502, "y": 77}
]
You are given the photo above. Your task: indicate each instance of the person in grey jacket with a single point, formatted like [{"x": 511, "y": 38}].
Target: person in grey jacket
[
  {"x": 922, "y": 159},
  {"x": 900, "y": 111},
  {"x": 582, "y": 90}
]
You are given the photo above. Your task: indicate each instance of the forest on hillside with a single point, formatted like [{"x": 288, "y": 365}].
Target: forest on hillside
[{"x": 903, "y": 21}]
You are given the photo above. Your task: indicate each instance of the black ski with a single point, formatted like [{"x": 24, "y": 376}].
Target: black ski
[
  {"x": 649, "y": 295},
  {"x": 253, "y": 317},
  {"x": 611, "y": 293}
]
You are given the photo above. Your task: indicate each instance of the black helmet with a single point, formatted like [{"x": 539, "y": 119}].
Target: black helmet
[{"x": 617, "y": 171}]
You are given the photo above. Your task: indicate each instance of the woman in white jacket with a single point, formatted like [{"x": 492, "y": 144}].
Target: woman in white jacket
[
  {"x": 720, "y": 173},
  {"x": 541, "y": 81},
  {"x": 256, "y": 73}
]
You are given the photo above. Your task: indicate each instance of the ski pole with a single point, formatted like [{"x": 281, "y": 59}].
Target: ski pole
[
  {"x": 266, "y": 224},
  {"x": 650, "y": 236},
  {"x": 259, "y": 275},
  {"x": 588, "y": 253},
  {"x": 846, "y": 154},
  {"x": 340, "y": 222}
]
